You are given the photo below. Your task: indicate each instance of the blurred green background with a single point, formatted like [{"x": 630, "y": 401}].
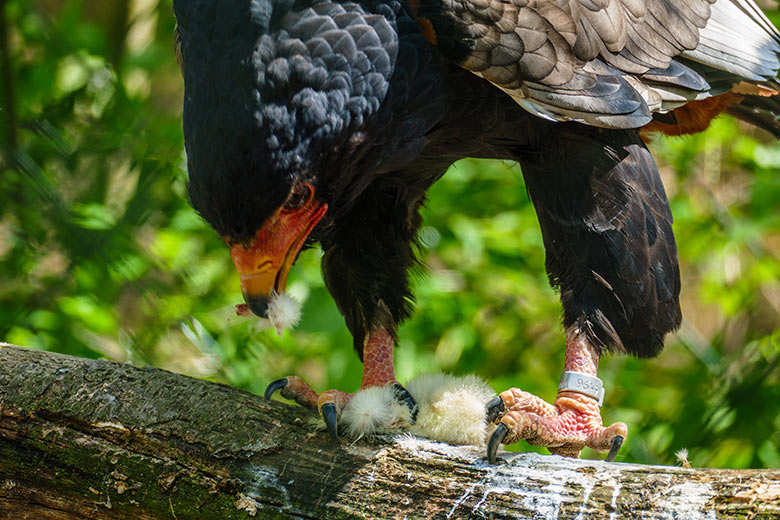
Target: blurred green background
[{"x": 101, "y": 256}]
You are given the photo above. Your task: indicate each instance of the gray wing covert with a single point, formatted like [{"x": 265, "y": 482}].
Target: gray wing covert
[{"x": 575, "y": 60}]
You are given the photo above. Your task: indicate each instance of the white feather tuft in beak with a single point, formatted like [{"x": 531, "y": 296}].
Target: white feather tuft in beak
[{"x": 283, "y": 312}]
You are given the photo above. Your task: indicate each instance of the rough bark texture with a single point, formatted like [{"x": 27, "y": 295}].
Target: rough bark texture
[{"x": 85, "y": 439}]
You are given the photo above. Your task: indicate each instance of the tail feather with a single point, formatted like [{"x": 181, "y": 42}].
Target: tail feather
[
  {"x": 739, "y": 58},
  {"x": 763, "y": 112}
]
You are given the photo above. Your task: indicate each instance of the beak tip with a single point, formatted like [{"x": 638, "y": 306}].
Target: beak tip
[{"x": 257, "y": 303}]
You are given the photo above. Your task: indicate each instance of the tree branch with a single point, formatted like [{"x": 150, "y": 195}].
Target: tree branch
[{"x": 86, "y": 439}]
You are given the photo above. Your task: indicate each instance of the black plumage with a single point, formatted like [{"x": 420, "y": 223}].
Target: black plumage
[
  {"x": 369, "y": 102},
  {"x": 607, "y": 232}
]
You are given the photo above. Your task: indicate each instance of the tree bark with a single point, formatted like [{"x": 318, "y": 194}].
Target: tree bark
[{"x": 86, "y": 439}]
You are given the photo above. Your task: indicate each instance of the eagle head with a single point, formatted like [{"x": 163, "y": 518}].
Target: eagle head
[{"x": 278, "y": 100}]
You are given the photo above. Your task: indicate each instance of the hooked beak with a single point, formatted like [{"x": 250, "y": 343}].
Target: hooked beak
[{"x": 263, "y": 266}]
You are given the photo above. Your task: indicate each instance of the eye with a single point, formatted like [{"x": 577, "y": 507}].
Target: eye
[{"x": 301, "y": 195}]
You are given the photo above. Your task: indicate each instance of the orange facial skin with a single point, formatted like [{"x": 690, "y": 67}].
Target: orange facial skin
[{"x": 264, "y": 265}]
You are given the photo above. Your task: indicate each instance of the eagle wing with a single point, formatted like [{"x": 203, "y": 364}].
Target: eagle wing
[{"x": 609, "y": 63}]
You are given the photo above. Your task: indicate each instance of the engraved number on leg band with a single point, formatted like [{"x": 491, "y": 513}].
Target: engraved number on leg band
[{"x": 584, "y": 384}]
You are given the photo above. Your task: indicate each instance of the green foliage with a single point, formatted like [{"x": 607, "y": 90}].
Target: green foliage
[{"x": 101, "y": 256}]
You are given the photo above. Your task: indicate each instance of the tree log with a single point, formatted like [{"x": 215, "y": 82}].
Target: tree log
[{"x": 86, "y": 439}]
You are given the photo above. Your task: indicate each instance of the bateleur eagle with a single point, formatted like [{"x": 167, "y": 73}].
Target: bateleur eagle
[{"x": 325, "y": 121}]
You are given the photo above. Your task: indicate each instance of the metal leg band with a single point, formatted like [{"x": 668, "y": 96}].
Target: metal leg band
[{"x": 584, "y": 384}]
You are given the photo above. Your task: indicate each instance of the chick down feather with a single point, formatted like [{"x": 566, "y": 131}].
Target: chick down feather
[{"x": 450, "y": 409}]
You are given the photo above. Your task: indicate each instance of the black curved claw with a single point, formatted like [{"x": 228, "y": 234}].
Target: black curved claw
[
  {"x": 494, "y": 409},
  {"x": 331, "y": 421},
  {"x": 617, "y": 442},
  {"x": 274, "y": 386},
  {"x": 497, "y": 438},
  {"x": 403, "y": 396}
]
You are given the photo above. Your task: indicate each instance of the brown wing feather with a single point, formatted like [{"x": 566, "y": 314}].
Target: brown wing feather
[{"x": 540, "y": 51}]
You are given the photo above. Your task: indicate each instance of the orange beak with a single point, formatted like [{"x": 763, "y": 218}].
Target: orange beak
[{"x": 265, "y": 264}]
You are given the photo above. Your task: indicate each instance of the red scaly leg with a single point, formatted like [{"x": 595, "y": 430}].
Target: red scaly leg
[
  {"x": 378, "y": 368},
  {"x": 568, "y": 425}
]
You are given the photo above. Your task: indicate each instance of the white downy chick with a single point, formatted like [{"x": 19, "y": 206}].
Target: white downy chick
[
  {"x": 449, "y": 409},
  {"x": 375, "y": 410}
]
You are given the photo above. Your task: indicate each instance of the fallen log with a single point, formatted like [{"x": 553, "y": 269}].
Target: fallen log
[{"x": 89, "y": 439}]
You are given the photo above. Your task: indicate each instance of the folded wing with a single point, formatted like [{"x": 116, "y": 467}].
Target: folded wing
[{"x": 608, "y": 63}]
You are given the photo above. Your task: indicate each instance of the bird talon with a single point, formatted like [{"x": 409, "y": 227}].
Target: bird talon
[
  {"x": 329, "y": 415},
  {"x": 274, "y": 386},
  {"x": 494, "y": 410},
  {"x": 403, "y": 396},
  {"x": 497, "y": 438},
  {"x": 617, "y": 442}
]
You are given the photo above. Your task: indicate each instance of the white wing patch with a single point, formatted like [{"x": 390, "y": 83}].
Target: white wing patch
[{"x": 738, "y": 38}]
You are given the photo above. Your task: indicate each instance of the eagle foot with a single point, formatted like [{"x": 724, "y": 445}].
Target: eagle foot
[
  {"x": 565, "y": 427},
  {"x": 383, "y": 404},
  {"x": 331, "y": 404}
]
